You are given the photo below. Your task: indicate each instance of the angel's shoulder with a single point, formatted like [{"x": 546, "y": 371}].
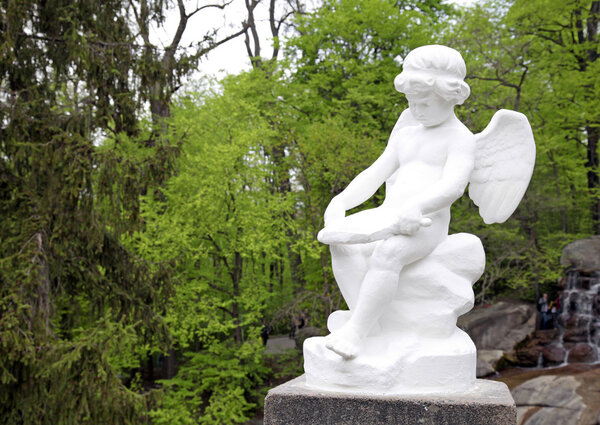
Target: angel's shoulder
[
  {"x": 460, "y": 136},
  {"x": 462, "y": 130},
  {"x": 403, "y": 134}
]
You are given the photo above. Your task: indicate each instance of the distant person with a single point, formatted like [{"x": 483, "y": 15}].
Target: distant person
[
  {"x": 264, "y": 332},
  {"x": 543, "y": 307},
  {"x": 555, "y": 310},
  {"x": 302, "y": 320},
  {"x": 293, "y": 326}
]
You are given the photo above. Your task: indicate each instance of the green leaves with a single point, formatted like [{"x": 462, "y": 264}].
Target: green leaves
[
  {"x": 219, "y": 223},
  {"x": 530, "y": 56}
]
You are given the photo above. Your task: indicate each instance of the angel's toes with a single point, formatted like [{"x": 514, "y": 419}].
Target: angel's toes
[
  {"x": 342, "y": 344},
  {"x": 344, "y": 350}
]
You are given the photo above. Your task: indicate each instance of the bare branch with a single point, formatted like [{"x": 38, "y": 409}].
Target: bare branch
[
  {"x": 224, "y": 40},
  {"x": 206, "y": 6},
  {"x": 183, "y": 20},
  {"x": 141, "y": 19}
]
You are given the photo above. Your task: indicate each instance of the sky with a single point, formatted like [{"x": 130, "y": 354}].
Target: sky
[{"x": 231, "y": 57}]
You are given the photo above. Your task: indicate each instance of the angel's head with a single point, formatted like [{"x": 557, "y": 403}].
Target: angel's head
[{"x": 436, "y": 73}]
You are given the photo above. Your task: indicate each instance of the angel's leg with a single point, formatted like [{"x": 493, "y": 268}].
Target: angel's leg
[
  {"x": 349, "y": 264},
  {"x": 379, "y": 287}
]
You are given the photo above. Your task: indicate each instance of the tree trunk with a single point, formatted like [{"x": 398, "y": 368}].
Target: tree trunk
[
  {"x": 168, "y": 365},
  {"x": 237, "y": 277}
]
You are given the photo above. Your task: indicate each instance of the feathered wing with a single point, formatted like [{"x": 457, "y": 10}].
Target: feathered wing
[{"x": 504, "y": 160}]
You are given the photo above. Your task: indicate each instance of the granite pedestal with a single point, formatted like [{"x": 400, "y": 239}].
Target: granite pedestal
[{"x": 294, "y": 403}]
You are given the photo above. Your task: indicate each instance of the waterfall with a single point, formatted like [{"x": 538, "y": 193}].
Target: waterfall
[{"x": 580, "y": 318}]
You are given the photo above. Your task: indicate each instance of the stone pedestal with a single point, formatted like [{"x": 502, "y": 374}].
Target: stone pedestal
[{"x": 294, "y": 403}]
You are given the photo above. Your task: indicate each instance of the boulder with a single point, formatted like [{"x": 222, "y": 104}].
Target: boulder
[
  {"x": 549, "y": 400},
  {"x": 528, "y": 356},
  {"x": 575, "y": 335},
  {"x": 582, "y": 353},
  {"x": 553, "y": 355},
  {"x": 486, "y": 361},
  {"x": 562, "y": 396},
  {"x": 500, "y": 326},
  {"x": 582, "y": 255},
  {"x": 545, "y": 336},
  {"x": 540, "y": 349}
]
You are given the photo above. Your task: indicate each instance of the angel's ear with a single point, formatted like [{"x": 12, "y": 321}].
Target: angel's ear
[{"x": 463, "y": 92}]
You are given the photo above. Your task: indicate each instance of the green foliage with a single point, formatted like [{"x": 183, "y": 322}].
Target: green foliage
[
  {"x": 345, "y": 58},
  {"x": 126, "y": 240},
  {"x": 219, "y": 223},
  {"x": 527, "y": 56},
  {"x": 213, "y": 386},
  {"x": 75, "y": 305},
  {"x": 340, "y": 105}
]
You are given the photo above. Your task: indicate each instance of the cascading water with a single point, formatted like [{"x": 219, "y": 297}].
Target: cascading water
[
  {"x": 580, "y": 318},
  {"x": 576, "y": 334}
]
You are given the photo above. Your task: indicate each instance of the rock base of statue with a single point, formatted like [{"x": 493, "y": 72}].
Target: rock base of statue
[
  {"x": 416, "y": 347},
  {"x": 294, "y": 403}
]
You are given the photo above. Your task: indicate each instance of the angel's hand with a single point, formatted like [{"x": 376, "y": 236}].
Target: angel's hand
[
  {"x": 409, "y": 221},
  {"x": 335, "y": 211}
]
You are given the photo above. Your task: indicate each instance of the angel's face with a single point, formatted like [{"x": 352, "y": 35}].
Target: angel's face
[{"x": 430, "y": 109}]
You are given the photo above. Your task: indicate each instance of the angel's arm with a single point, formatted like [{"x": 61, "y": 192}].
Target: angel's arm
[
  {"x": 454, "y": 180},
  {"x": 365, "y": 184}
]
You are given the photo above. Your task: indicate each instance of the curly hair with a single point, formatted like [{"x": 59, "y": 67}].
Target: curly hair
[{"x": 434, "y": 67}]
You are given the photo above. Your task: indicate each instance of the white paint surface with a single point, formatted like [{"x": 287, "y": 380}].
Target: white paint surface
[{"x": 404, "y": 279}]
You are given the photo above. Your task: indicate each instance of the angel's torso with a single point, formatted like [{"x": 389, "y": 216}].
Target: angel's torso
[{"x": 421, "y": 153}]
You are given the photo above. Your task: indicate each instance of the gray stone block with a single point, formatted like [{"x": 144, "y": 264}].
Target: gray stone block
[{"x": 293, "y": 403}]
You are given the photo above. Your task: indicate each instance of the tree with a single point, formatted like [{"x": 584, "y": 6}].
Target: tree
[
  {"x": 161, "y": 70},
  {"x": 566, "y": 49},
  {"x": 508, "y": 68},
  {"x": 74, "y": 302},
  {"x": 78, "y": 309},
  {"x": 221, "y": 227},
  {"x": 340, "y": 106}
]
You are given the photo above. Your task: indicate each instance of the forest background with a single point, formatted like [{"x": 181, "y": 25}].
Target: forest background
[{"x": 150, "y": 223}]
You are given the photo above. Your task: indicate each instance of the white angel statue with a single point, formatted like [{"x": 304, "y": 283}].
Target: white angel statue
[{"x": 405, "y": 280}]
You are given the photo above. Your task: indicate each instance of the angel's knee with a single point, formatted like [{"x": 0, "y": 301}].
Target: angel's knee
[
  {"x": 345, "y": 251},
  {"x": 389, "y": 255}
]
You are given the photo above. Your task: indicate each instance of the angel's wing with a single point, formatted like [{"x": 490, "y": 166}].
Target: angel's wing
[{"x": 504, "y": 160}]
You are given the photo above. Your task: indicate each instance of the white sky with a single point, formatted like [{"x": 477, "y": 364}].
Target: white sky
[{"x": 231, "y": 57}]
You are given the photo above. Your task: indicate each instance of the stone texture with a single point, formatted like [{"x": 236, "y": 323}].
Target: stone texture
[
  {"x": 583, "y": 255},
  {"x": 528, "y": 356},
  {"x": 487, "y": 360},
  {"x": 549, "y": 400},
  {"x": 553, "y": 355},
  {"x": 500, "y": 326},
  {"x": 293, "y": 403},
  {"x": 544, "y": 343},
  {"x": 581, "y": 353},
  {"x": 575, "y": 335}
]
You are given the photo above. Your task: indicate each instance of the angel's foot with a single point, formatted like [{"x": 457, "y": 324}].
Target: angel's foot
[{"x": 346, "y": 342}]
